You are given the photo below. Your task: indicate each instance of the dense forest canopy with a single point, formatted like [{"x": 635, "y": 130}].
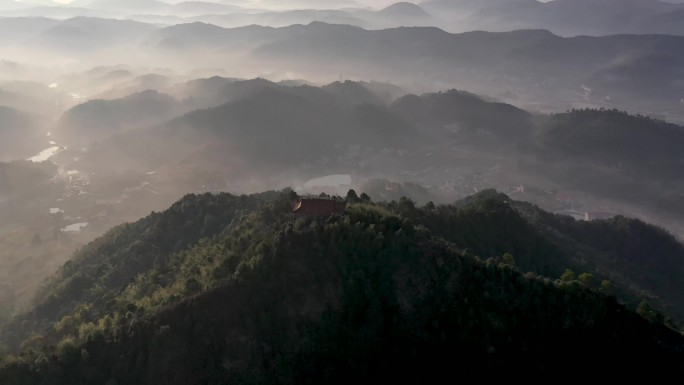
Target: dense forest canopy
[{"x": 396, "y": 282}]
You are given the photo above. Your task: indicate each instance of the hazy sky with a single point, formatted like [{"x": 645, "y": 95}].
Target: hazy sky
[
  {"x": 365, "y": 2},
  {"x": 372, "y": 3}
]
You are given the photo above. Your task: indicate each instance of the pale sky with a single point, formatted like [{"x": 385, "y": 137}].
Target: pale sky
[
  {"x": 54, "y": 1},
  {"x": 372, "y": 3},
  {"x": 367, "y": 2}
]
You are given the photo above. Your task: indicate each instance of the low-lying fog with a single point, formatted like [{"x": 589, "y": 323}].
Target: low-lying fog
[{"x": 111, "y": 109}]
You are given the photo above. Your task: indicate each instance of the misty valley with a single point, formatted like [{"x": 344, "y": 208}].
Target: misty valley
[{"x": 251, "y": 191}]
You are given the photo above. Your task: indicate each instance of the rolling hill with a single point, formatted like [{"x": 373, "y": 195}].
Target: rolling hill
[
  {"x": 154, "y": 298},
  {"x": 99, "y": 119},
  {"x": 288, "y": 133}
]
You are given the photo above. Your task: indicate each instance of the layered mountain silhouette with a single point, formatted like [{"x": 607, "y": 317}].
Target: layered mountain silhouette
[
  {"x": 534, "y": 65},
  {"x": 564, "y": 17},
  {"x": 85, "y": 34},
  {"x": 96, "y": 120},
  {"x": 241, "y": 127}
]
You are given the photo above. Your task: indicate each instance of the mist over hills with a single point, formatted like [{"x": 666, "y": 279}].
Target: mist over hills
[
  {"x": 518, "y": 168},
  {"x": 572, "y": 17},
  {"x": 127, "y": 153},
  {"x": 294, "y": 133},
  {"x": 530, "y": 68},
  {"x": 18, "y": 134},
  {"x": 82, "y": 33},
  {"x": 16, "y": 30},
  {"x": 562, "y": 17},
  {"x": 505, "y": 59},
  {"x": 86, "y": 122},
  {"x": 117, "y": 157}
]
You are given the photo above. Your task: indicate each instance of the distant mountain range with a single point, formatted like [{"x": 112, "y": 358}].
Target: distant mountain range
[
  {"x": 562, "y": 17},
  {"x": 614, "y": 69},
  {"x": 642, "y": 73},
  {"x": 565, "y": 17},
  {"x": 284, "y": 134}
]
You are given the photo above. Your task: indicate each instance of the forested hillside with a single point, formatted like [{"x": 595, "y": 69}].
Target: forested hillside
[
  {"x": 223, "y": 288},
  {"x": 612, "y": 154}
]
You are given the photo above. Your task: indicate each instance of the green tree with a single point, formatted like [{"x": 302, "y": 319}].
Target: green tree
[
  {"x": 406, "y": 206},
  {"x": 586, "y": 279},
  {"x": 607, "y": 287},
  {"x": 508, "y": 260},
  {"x": 647, "y": 311},
  {"x": 567, "y": 276},
  {"x": 352, "y": 197},
  {"x": 192, "y": 286}
]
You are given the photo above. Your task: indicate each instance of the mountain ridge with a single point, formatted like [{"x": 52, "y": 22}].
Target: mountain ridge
[{"x": 253, "y": 263}]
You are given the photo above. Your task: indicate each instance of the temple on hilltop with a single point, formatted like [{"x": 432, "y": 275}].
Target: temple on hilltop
[{"x": 316, "y": 206}]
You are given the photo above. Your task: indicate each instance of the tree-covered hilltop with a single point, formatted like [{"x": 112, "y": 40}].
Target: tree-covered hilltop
[
  {"x": 98, "y": 119},
  {"x": 466, "y": 113},
  {"x": 613, "y": 155},
  {"x": 224, "y": 288},
  {"x": 616, "y": 139},
  {"x": 643, "y": 261},
  {"x": 97, "y": 273}
]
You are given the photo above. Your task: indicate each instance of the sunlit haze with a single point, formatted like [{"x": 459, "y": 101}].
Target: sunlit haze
[{"x": 340, "y": 191}]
